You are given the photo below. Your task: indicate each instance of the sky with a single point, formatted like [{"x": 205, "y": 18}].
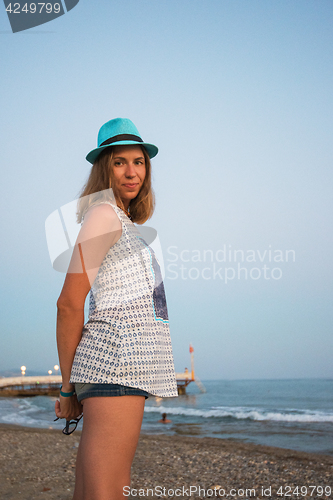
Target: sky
[{"x": 238, "y": 98}]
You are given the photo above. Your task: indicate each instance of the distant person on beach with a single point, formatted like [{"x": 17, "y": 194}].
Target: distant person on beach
[
  {"x": 123, "y": 353},
  {"x": 164, "y": 419}
]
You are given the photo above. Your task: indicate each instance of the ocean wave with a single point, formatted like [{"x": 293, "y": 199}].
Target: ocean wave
[
  {"x": 301, "y": 416},
  {"x": 17, "y": 419},
  {"x": 27, "y": 412}
]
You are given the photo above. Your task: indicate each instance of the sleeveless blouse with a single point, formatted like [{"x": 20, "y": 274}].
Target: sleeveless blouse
[{"x": 126, "y": 339}]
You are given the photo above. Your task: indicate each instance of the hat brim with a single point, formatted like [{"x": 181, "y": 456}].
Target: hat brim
[{"x": 151, "y": 149}]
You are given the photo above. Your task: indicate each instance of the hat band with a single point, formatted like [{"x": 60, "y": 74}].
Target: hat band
[{"x": 122, "y": 137}]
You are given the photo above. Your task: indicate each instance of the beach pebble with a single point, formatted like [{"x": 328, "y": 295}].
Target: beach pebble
[{"x": 169, "y": 461}]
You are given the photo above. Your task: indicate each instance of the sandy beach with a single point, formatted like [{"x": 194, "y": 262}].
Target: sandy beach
[{"x": 40, "y": 464}]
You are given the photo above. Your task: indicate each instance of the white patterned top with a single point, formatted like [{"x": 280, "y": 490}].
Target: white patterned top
[{"x": 126, "y": 339}]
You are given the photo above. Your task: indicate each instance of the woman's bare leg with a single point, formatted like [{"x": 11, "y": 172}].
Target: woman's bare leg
[{"x": 110, "y": 434}]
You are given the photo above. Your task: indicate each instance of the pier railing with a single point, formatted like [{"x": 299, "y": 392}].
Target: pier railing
[{"x": 47, "y": 385}]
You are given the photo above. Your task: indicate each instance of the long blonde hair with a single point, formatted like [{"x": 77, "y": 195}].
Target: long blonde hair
[{"x": 101, "y": 178}]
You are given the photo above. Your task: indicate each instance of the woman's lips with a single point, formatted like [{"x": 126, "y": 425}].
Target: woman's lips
[{"x": 130, "y": 185}]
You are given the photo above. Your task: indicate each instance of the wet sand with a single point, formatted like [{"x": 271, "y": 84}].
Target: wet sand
[{"x": 40, "y": 464}]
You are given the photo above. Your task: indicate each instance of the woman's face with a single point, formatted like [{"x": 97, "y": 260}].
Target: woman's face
[{"x": 129, "y": 171}]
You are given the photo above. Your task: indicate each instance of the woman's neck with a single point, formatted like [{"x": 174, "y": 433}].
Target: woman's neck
[{"x": 125, "y": 210}]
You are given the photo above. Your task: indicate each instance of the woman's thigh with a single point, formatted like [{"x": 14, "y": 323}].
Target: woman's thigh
[{"x": 110, "y": 434}]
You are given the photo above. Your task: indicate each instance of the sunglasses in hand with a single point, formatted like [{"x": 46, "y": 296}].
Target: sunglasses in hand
[{"x": 71, "y": 425}]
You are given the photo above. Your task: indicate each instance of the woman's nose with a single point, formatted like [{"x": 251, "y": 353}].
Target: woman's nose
[{"x": 130, "y": 170}]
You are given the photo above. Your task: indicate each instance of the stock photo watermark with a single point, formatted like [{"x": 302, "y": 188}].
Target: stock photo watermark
[
  {"x": 24, "y": 15},
  {"x": 62, "y": 229},
  {"x": 227, "y": 263},
  {"x": 218, "y": 491}
]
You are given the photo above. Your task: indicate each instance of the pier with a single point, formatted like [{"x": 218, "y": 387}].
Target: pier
[
  {"x": 49, "y": 385},
  {"x": 185, "y": 378},
  {"x": 23, "y": 386}
]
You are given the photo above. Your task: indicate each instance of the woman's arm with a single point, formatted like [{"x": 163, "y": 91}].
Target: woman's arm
[
  {"x": 101, "y": 229},
  {"x": 70, "y": 320}
]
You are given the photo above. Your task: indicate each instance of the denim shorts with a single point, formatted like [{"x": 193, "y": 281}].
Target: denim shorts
[{"x": 84, "y": 390}]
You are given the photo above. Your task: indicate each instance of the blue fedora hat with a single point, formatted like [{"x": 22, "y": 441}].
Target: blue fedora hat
[{"x": 119, "y": 132}]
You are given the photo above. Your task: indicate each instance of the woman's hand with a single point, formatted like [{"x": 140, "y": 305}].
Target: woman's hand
[{"x": 68, "y": 407}]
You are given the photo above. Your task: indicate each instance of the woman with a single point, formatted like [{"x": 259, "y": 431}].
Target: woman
[{"x": 123, "y": 353}]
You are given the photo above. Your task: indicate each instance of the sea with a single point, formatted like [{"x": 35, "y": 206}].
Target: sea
[{"x": 293, "y": 414}]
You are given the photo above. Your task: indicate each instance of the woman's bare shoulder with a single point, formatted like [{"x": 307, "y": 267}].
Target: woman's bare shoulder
[
  {"x": 98, "y": 220},
  {"x": 103, "y": 210}
]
